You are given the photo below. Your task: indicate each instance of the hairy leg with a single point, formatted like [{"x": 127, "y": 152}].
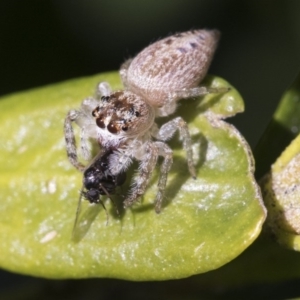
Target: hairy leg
[
  {"x": 70, "y": 140},
  {"x": 171, "y": 102},
  {"x": 146, "y": 168},
  {"x": 168, "y": 130},
  {"x": 167, "y": 153}
]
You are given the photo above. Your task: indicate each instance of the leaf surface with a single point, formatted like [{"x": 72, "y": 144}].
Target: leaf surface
[{"x": 204, "y": 223}]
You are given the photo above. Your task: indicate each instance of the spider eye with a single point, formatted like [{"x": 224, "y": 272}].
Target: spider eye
[
  {"x": 124, "y": 128},
  {"x": 100, "y": 123},
  {"x": 112, "y": 128},
  {"x": 132, "y": 111},
  {"x": 96, "y": 111},
  {"x": 105, "y": 98}
]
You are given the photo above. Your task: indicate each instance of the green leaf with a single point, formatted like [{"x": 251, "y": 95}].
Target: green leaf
[
  {"x": 282, "y": 197},
  {"x": 204, "y": 223},
  {"x": 284, "y": 126},
  {"x": 281, "y": 184}
]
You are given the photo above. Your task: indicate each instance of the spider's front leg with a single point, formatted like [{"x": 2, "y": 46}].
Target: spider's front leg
[
  {"x": 70, "y": 140},
  {"x": 141, "y": 180},
  {"x": 168, "y": 130},
  {"x": 83, "y": 118}
]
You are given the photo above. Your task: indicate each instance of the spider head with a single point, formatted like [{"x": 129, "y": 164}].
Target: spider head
[{"x": 123, "y": 115}]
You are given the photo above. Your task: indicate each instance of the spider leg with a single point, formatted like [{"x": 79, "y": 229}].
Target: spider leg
[
  {"x": 168, "y": 130},
  {"x": 146, "y": 168},
  {"x": 171, "y": 103},
  {"x": 167, "y": 153},
  {"x": 70, "y": 140}
]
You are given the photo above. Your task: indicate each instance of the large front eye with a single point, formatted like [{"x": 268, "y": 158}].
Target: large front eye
[
  {"x": 112, "y": 128},
  {"x": 100, "y": 123}
]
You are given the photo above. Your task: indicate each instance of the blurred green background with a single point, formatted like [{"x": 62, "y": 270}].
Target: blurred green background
[{"x": 43, "y": 42}]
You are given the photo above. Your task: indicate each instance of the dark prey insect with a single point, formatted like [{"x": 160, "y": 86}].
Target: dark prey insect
[
  {"x": 98, "y": 181},
  {"x": 154, "y": 81}
]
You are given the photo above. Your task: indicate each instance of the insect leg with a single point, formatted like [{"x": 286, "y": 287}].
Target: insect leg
[{"x": 77, "y": 215}]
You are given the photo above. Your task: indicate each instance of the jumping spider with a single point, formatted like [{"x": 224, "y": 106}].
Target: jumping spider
[{"x": 163, "y": 73}]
